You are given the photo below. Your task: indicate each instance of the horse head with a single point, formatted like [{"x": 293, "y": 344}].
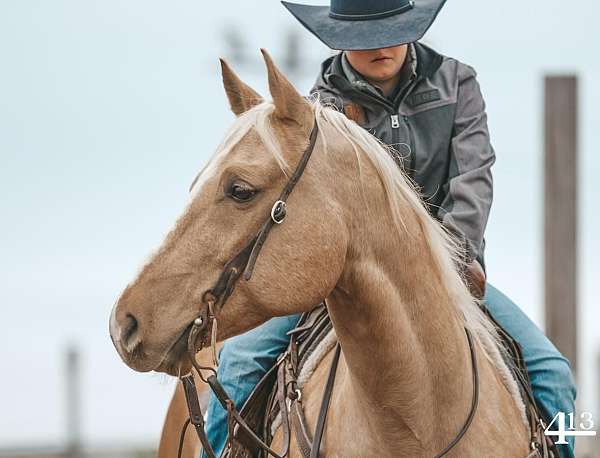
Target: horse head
[{"x": 231, "y": 198}]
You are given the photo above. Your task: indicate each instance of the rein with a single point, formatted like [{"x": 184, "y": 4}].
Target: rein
[{"x": 213, "y": 301}]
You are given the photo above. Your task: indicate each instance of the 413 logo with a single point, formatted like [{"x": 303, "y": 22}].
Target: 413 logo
[{"x": 565, "y": 426}]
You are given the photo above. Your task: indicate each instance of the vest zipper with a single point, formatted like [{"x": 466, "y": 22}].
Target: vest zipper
[{"x": 396, "y": 139}]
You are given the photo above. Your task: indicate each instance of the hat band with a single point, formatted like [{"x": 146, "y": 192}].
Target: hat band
[{"x": 360, "y": 17}]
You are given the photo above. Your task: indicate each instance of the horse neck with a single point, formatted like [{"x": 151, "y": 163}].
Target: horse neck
[{"x": 402, "y": 339}]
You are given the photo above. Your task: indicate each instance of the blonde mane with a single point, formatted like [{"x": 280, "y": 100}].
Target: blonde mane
[{"x": 446, "y": 250}]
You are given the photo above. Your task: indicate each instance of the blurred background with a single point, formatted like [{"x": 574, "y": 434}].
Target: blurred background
[{"x": 109, "y": 108}]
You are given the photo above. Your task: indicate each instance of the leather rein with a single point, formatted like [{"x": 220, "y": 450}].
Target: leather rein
[{"x": 213, "y": 301}]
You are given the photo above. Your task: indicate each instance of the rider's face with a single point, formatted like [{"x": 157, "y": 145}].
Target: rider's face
[{"x": 378, "y": 64}]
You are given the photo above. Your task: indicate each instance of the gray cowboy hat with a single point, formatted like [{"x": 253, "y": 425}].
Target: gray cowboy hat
[{"x": 372, "y": 24}]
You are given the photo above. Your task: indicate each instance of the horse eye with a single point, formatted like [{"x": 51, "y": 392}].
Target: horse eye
[{"x": 242, "y": 192}]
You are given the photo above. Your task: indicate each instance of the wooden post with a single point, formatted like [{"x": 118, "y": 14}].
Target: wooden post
[
  {"x": 73, "y": 402},
  {"x": 560, "y": 213}
]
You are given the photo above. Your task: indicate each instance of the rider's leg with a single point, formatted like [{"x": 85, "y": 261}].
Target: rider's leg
[
  {"x": 549, "y": 371},
  {"x": 243, "y": 361}
]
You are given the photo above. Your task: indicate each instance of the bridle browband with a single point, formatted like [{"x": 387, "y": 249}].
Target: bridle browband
[{"x": 213, "y": 301}]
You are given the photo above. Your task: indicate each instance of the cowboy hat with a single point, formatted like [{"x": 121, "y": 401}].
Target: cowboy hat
[{"x": 372, "y": 24}]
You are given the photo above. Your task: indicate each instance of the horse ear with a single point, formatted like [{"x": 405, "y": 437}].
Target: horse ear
[
  {"x": 289, "y": 104},
  {"x": 241, "y": 96}
]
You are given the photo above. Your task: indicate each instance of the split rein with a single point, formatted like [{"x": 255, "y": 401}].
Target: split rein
[{"x": 213, "y": 301}]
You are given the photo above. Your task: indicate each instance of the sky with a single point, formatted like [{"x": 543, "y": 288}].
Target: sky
[{"x": 108, "y": 109}]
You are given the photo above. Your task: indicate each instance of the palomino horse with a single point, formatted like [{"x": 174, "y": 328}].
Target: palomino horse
[{"x": 357, "y": 234}]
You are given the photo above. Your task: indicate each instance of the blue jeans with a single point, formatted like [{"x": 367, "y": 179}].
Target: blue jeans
[{"x": 246, "y": 358}]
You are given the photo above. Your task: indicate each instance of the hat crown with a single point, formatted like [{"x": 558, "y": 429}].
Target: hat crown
[{"x": 365, "y": 10}]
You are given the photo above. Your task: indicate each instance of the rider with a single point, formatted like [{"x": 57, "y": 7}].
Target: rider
[{"x": 430, "y": 109}]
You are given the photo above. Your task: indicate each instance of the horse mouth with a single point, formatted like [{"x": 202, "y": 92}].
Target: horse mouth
[{"x": 176, "y": 360}]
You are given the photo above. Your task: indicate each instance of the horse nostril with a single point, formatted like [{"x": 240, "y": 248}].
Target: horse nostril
[{"x": 130, "y": 328}]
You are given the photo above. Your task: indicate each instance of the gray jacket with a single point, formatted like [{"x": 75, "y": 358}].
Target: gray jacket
[{"x": 437, "y": 125}]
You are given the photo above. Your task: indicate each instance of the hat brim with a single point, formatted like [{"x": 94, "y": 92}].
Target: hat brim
[{"x": 399, "y": 29}]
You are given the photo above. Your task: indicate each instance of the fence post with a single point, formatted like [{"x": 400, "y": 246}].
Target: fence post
[
  {"x": 73, "y": 402},
  {"x": 560, "y": 213}
]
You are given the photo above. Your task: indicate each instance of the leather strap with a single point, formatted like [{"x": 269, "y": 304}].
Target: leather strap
[
  {"x": 474, "y": 400},
  {"x": 235, "y": 417},
  {"x": 314, "y": 452},
  {"x": 289, "y": 187},
  {"x": 299, "y": 423},
  {"x": 245, "y": 260},
  {"x": 196, "y": 418},
  {"x": 281, "y": 400}
]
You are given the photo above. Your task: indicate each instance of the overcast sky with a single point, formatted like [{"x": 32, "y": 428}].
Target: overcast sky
[{"x": 109, "y": 108}]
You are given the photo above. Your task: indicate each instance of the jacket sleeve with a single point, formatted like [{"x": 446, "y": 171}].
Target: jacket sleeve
[{"x": 468, "y": 191}]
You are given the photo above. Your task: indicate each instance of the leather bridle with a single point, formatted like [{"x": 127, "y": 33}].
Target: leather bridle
[{"x": 213, "y": 301}]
